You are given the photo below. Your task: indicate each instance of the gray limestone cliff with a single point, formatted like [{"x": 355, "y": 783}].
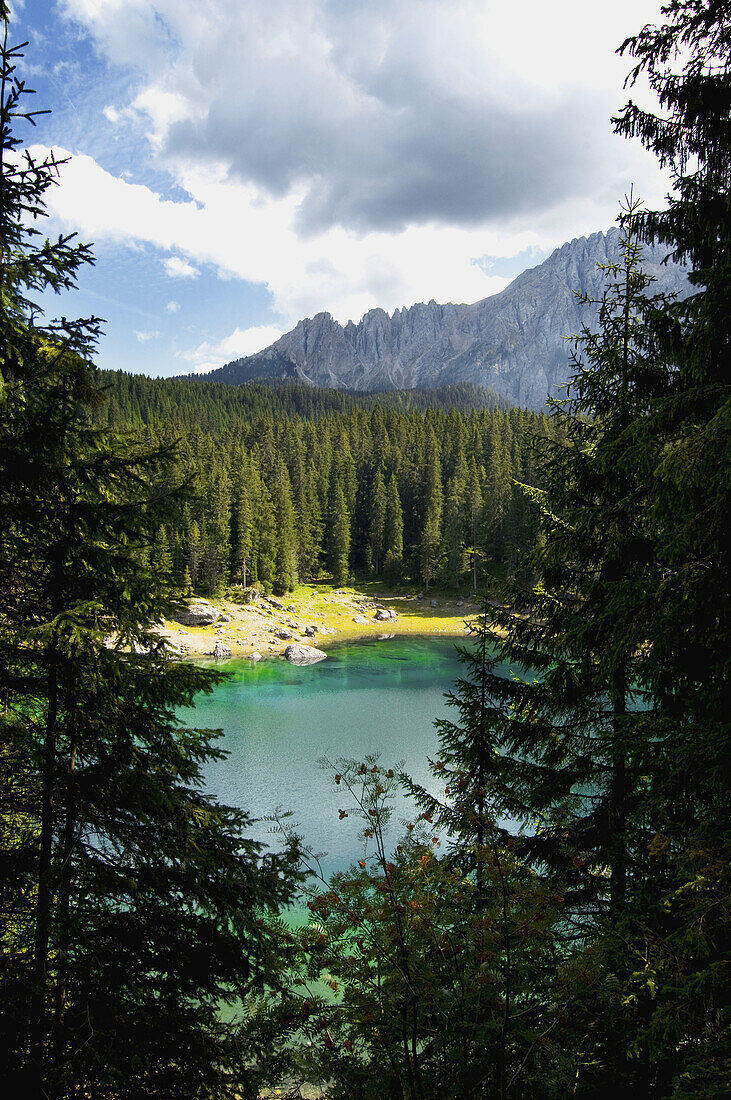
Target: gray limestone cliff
[{"x": 514, "y": 342}]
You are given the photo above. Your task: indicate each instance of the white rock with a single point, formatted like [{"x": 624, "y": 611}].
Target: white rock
[
  {"x": 299, "y": 654},
  {"x": 199, "y": 613},
  {"x": 222, "y": 652}
]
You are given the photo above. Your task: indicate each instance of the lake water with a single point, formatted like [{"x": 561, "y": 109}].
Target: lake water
[{"x": 280, "y": 720}]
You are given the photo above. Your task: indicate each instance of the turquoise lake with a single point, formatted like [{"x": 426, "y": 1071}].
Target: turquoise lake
[{"x": 279, "y": 720}]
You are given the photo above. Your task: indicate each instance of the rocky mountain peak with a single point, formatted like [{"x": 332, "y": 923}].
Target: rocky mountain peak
[{"x": 513, "y": 342}]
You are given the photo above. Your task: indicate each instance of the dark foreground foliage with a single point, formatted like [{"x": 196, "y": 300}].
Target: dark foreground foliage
[
  {"x": 131, "y": 900},
  {"x": 555, "y": 922},
  {"x": 585, "y": 779}
]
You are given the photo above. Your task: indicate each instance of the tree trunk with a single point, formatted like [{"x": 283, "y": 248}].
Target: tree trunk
[
  {"x": 64, "y": 906},
  {"x": 617, "y": 810},
  {"x": 42, "y": 931}
]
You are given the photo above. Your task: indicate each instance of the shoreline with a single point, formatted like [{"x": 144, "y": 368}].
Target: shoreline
[{"x": 335, "y": 615}]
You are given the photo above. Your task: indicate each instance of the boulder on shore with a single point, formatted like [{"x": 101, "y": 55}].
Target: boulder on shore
[
  {"x": 199, "y": 613},
  {"x": 222, "y": 652},
  {"x": 384, "y": 614},
  {"x": 359, "y": 619},
  {"x": 299, "y": 654}
]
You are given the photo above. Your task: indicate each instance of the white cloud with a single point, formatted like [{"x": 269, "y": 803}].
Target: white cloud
[
  {"x": 172, "y": 307},
  {"x": 178, "y": 268},
  {"x": 380, "y": 114},
  {"x": 247, "y": 236},
  {"x": 241, "y": 342},
  {"x": 143, "y": 337},
  {"x": 121, "y": 115},
  {"x": 335, "y": 271},
  {"x": 348, "y": 155}
]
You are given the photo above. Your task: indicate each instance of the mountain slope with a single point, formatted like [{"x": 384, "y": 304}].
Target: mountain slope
[{"x": 513, "y": 342}]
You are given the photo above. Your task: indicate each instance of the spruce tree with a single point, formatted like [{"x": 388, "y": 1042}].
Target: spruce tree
[
  {"x": 161, "y": 556},
  {"x": 308, "y": 528},
  {"x": 339, "y": 537},
  {"x": 285, "y": 569},
  {"x": 497, "y": 489},
  {"x": 475, "y": 514},
  {"x": 377, "y": 522},
  {"x": 394, "y": 532},
  {"x": 217, "y": 496},
  {"x": 453, "y": 538},
  {"x": 681, "y": 448},
  {"x": 266, "y": 538},
  {"x": 242, "y": 525},
  {"x": 430, "y": 535},
  {"x": 195, "y": 554},
  {"x": 132, "y": 897},
  {"x": 568, "y": 751}
]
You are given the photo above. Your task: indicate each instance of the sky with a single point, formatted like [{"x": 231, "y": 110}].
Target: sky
[{"x": 241, "y": 164}]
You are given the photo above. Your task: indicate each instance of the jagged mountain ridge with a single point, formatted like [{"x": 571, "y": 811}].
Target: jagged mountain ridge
[{"x": 513, "y": 342}]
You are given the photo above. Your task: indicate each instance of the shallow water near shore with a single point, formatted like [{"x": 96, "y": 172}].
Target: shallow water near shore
[{"x": 279, "y": 720}]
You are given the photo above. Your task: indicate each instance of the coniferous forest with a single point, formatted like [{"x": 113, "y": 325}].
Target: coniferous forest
[
  {"x": 291, "y": 483},
  {"x": 556, "y": 922}
]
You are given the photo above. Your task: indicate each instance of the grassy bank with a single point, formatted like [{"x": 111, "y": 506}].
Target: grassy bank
[{"x": 253, "y": 628}]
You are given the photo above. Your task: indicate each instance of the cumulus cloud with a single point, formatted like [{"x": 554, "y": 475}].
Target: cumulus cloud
[
  {"x": 335, "y": 271},
  {"x": 362, "y": 153},
  {"x": 207, "y": 356},
  {"x": 381, "y": 114},
  {"x": 177, "y": 268},
  {"x": 143, "y": 337},
  {"x": 172, "y": 307}
]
